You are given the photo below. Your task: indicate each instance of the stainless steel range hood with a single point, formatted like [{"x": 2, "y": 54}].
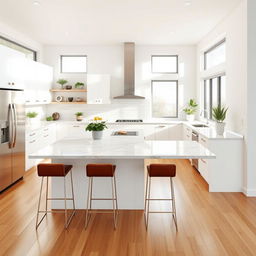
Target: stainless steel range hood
[{"x": 129, "y": 73}]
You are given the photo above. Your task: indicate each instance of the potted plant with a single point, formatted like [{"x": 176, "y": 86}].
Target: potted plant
[
  {"x": 219, "y": 115},
  {"x": 31, "y": 116},
  {"x": 190, "y": 110},
  {"x": 79, "y": 116},
  {"x": 62, "y": 82},
  {"x": 49, "y": 118},
  {"x": 79, "y": 85},
  {"x": 97, "y": 129}
]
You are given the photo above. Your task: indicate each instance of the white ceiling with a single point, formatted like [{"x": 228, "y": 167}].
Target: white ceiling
[{"x": 79, "y": 22}]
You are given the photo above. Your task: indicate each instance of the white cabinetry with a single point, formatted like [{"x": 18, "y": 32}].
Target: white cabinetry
[
  {"x": 37, "y": 139},
  {"x": 98, "y": 89},
  {"x": 12, "y": 68},
  {"x": 38, "y": 81},
  {"x": 187, "y": 133}
]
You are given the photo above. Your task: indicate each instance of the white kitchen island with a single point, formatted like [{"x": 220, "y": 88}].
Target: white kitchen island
[{"x": 127, "y": 153}]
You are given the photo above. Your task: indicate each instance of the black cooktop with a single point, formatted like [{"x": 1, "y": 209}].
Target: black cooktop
[{"x": 129, "y": 120}]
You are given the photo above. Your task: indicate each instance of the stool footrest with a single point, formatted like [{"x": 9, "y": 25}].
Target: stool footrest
[
  {"x": 159, "y": 212},
  {"x": 59, "y": 198},
  {"x": 102, "y": 211},
  {"x": 159, "y": 199},
  {"x": 104, "y": 199}
]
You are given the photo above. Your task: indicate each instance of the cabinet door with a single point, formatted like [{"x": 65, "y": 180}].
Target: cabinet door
[
  {"x": 12, "y": 68},
  {"x": 98, "y": 89},
  {"x": 162, "y": 132}
]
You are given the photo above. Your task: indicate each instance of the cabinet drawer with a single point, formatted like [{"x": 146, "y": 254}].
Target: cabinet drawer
[
  {"x": 203, "y": 169},
  {"x": 203, "y": 141},
  {"x": 187, "y": 133}
]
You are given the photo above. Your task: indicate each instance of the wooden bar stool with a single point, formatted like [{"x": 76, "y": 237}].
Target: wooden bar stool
[
  {"x": 160, "y": 170},
  {"x": 55, "y": 170},
  {"x": 101, "y": 170}
]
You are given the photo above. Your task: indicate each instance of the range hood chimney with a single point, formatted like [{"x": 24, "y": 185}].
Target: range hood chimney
[{"x": 129, "y": 72}]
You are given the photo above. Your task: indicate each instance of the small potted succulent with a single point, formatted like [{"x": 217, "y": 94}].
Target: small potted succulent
[
  {"x": 49, "y": 118},
  {"x": 96, "y": 128},
  {"x": 190, "y": 110},
  {"x": 219, "y": 115},
  {"x": 31, "y": 116},
  {"x": 62, "y": 82},
  {"x": 79, "y": 116},
  {"x": 79, "y": 85}
]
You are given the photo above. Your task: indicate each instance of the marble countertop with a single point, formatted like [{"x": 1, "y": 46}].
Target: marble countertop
[
  {"x": 123, "y": 148},
  {"x": 208, "y": 132}
]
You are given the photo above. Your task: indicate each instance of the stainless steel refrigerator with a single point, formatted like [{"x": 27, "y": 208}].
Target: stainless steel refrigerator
[{"x": 12, "y": 147}]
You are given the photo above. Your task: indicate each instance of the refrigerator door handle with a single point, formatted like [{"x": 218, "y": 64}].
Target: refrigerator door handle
[
  {"x": 10, "y": 125},
  {"x": 14, "y": 125}
]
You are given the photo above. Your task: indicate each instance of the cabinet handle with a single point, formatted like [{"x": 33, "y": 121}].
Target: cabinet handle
[
  {"x": 161, "y": 126},
  {"x": 32, "y": 141},
  {"x": 46, "y": 129},
  {"x": 76, "y": 126},
  {"x": 202, "y": 139},
  {"x": 188, "y": 136},
  {"x": 37, "y": 100},
  {"x": 46, "y": 135},
  {"x": 13, "y": 83},
  {"x": 188, "y": 129},
  {"x": 203, "y": 161},
  {"x": 9, "y": 83},
  {"x": 32, "y": 134}
]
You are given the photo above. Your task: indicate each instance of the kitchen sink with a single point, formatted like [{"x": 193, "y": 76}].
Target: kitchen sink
[{"x": 200, "y": 125}]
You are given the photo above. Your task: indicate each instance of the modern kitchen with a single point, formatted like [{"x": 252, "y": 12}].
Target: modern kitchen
[{"x": 130, "y": 133}]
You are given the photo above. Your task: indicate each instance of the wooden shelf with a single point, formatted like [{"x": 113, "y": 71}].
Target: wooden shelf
[
  {"x": 65, "y": 90},
  {"x": 67, "y": 102}
]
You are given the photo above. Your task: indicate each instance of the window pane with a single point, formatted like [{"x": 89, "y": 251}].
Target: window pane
[
  {"x": 207, "y": 104},
  {"x": 223, "y": 90},
  {"x": 73, "y": 64},
  {"x": 215, "y": 92},
  {"x": 164, "y": 64},
  {"x": 215, "y": 56},
  {"x": 164, "y": 99}
]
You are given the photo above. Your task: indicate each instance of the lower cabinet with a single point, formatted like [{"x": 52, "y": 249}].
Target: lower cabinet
[{"x": 37, "y": 139}]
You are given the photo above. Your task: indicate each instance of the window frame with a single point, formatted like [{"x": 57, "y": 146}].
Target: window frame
[
  {"x": 22, "y": 46},
  {"x": 177, "y": 64},
  {"x": 212, "y": 48},
  {"x": 73, "y": 55},
  {"x": 177, "y": 97},
  {"x": 219, "y": 76}
]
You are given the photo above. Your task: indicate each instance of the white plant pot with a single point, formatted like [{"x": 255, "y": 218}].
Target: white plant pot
[
  {"x": 190, "y": 118},
  {"x": 97, "y": 135},
  {"x": 220, "y": 127}
]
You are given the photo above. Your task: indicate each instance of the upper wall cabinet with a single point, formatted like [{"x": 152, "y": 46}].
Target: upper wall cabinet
[
  {"x": 12, "y": 68},
  {"x": 98, "y": 89},
  {"x": 38, "y": 82}
]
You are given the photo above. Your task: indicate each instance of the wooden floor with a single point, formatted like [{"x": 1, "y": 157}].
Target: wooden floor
[{"x": 209, "y": 224}]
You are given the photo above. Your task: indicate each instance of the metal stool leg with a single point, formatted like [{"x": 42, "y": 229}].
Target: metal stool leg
[
  {"x": 72, "y": 190},
  {"x": 145, "y": 203},
  {"x": 39, "y": 202},
  {"x": 114, "y": 200},
  {"x": 65, "y": 202},
  {"x": 148, "y": 200},
  {"x": 116, "y": 195},
  {"x": 88, "y": 200},
  {"x": 173, "y": 205}
]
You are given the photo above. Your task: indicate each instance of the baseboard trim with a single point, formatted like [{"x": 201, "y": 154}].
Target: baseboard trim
[{"x": 249, "y": 192}]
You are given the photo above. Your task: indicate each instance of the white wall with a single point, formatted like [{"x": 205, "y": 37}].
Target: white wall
[
  {"x": 14, "y": 35},
  {"x": 109, "y": 60},
  {"x": 233, "y": 28}
]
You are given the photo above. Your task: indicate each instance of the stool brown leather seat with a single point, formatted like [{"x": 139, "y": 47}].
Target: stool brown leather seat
[
  {"x": 55, "y": 170},
  {"x": 160, "y": 170},
  {"x": 101, "y": 170}
]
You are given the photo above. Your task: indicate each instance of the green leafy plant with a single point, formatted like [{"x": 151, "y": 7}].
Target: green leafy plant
[
  {"x": 191, "y": 107},
  {"x": 219, "y": 113},
  {"x": 32, "y": 114},
  {"x": 79, "y": 85},
  {"x": 62, "y": 82},
  {"x": 79, "y": 113},
  {"x": 96, "y": 126},
  {"x": 49, "y": 118}
]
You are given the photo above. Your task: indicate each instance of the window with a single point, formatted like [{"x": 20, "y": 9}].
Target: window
[
  {"x": 215, "y": 55},
  {"x": 214, "y": 94},
  {"x": 164, "y": 98},
  {"x": 73, "y": 63},
  {"x": 30, "y": 54},
  {"x": 167, "y": 64}
]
